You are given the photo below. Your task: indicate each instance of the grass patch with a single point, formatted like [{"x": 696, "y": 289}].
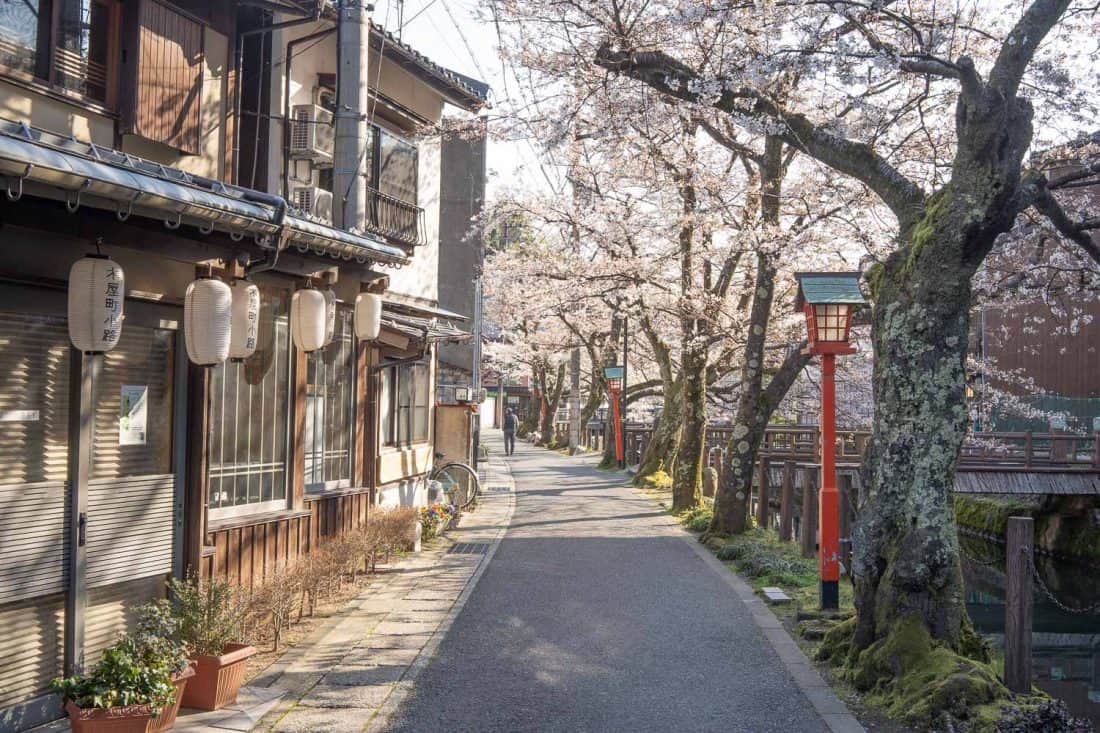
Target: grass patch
[
  {"x": 657, "y": 480},
  {"x": 697, "y": 519}
]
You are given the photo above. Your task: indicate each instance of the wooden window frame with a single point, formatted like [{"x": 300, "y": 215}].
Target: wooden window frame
[
  {"x": 399, "y": 439},
  {"x": 47, "y": 47}
]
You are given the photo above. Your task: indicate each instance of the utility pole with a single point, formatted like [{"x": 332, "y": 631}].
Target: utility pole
[{"x": 349, "y": 201}]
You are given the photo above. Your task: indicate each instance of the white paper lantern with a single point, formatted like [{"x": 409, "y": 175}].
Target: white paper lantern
[
  {"x": 330, "y": 316},
  {"x": 368, "y": 316},
  {"x": 308, "y": 320},
  {"x": 97, "y": 288},
  {"x": 245, "y": 329},
  {"x": 208, "y": 321}
]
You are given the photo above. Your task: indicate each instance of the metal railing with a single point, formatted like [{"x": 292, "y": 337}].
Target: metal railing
[{"x": 397, "y": 220}]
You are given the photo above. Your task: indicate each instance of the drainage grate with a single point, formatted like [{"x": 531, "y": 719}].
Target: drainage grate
[{"x": 468, "y": 548}]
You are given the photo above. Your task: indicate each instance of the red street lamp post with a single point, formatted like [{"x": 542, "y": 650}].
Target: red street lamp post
[
  {"x": 614, "y": 377},
  {"x": 828, "y": 299}
]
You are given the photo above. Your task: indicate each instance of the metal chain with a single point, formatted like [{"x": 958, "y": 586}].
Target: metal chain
[
  {"x": 994, "y": 562},
  {"x": 1090, "y": 610}
]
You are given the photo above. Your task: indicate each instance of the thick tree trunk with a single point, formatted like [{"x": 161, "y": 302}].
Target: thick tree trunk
[
  {"x": 905, "y": 559},
  {"x": 687, "y": 484},
  {"x": 660, "y": 453},
  {"x": 551, "y": 397}
]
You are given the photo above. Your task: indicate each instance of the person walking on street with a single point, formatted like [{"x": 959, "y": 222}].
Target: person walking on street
[{"x": 511, "y": 423}]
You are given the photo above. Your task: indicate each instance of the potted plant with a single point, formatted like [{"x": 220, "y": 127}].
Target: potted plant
[
  {"x": 138, "y": 683},
  {"x": 210, "y": 615}
]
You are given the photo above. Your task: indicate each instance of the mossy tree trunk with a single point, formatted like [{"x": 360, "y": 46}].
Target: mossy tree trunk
[
  {"x": 687, "y": 480},
  {"x": 906, "y": 559},
  {"x": 660, "y": 452},
  {"x": 687, "y": 484},
  {"x": 755, "y": 404}
]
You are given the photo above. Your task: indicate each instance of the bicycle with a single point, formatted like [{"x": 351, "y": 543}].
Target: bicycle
[{"x": 457, "y": 482}]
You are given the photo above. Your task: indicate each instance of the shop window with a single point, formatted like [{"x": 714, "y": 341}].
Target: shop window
[
  {"x": 404, "y": 404},
  {"x": 248, "y": 420},
  {"x": 330, "y": 398}
]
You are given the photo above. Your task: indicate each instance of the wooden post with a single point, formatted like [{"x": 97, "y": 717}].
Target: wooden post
[
  {"x": 762, "y": 508},
  {"x": 786, "y": 502},
  {"x": 1018, "y": 541},
  {"x": 844, "y": 486},
  {"x": 809, "y": 513}
]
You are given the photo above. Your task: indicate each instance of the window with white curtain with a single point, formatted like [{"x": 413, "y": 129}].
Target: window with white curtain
[
  {"x": 330, "y": 400},
  {"x": 249, "y": 408}
]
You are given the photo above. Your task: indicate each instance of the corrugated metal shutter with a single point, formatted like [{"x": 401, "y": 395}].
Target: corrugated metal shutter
[
  {"x": 30, "y": 647},
  {"x": 143, "y": 358},
  {"x": 33, "y": 540},
  {"x": 110, "y": 612},
  {"x": 129, "y": 528},
  {"x": 170, "y": 61},
  {"x": 34, "y": 384},
  {"x": 130, "y": 494}
]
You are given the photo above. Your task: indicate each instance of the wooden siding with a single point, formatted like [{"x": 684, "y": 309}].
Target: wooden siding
[
  {"x": 1024, "y": 338},
  {"x": 167, "y": 94},
  {"x": 30, "y": 647},
  {"x": 248, "y": 552}
]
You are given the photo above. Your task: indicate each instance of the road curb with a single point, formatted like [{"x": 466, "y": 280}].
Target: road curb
[{"x": 404, "y": 687}]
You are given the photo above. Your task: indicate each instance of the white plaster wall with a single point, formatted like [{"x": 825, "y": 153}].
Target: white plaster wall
[
  {"x": 55, "y": 115},
  {"x": 420, "y": 278}
]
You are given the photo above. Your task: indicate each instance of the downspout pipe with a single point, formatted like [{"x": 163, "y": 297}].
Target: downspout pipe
[
  {"x": 238, "y": 64},
  {"x": 268, "y": 262},
  {"x": 287, "y": 64}
]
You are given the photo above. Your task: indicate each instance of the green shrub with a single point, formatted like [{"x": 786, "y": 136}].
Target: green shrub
[
  {"x": 137, "y": 670},
  {"x": 209, "y": 614}
]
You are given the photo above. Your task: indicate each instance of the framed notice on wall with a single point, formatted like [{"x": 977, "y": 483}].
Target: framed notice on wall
[{"x": 133, "y": 414}]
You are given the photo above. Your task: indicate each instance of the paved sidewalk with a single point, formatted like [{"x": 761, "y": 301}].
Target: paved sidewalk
[
  {"x": 368, "y": 657},
  {"x": 599, "y": 613}
]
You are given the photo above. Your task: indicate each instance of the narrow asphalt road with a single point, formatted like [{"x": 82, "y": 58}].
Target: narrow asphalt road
[{"x": 594, "y": 615}]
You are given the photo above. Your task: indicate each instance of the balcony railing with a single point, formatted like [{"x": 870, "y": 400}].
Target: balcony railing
[{"x": 395, "y": 219}]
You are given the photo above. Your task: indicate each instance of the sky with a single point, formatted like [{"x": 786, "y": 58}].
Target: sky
[{"x": 450, "y": 33}]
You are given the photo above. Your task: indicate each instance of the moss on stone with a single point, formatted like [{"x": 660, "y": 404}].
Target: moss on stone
[{"x": 987, "y": 514}]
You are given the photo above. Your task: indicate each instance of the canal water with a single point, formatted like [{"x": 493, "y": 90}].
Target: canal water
[{"x": 1065, "y": 645}]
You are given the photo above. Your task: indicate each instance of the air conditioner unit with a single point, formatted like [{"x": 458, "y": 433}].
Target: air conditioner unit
[
  {"x": 312, "y": 134},
  {"x": 314, "y": 201}
]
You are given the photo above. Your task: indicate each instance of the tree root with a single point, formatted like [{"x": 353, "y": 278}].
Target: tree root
[{"x": 922, "y": 682}]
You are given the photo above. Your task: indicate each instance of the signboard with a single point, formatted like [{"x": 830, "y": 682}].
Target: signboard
[
  {"x": 613, "y": 372},
  {"x": 133, "y": 414}
]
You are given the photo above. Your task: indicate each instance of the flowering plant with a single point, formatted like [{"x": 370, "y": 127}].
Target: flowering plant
[{"x": 435, "y": 518}]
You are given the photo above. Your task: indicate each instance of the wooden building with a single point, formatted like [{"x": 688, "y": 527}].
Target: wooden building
[{"x": 183, "y": 139}]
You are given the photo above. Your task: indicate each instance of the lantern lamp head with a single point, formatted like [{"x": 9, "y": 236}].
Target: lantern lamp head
[
  {"x": 462, "y": 394},
  {"x": 828, "y": 300},
  {"x": 614, "y": 377}
]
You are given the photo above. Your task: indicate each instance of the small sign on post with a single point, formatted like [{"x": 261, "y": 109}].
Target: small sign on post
[{"x": 1018, "y": 547}]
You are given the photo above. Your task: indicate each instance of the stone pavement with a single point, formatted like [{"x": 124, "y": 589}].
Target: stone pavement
[{"x": 359, "y": 667}]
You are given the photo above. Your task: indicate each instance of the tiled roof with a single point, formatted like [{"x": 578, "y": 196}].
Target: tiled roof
[
  {"x": 470, "y": 93},
  {"x": 828, "y": 287}
]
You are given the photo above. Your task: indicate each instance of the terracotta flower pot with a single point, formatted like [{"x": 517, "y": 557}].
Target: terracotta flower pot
[
  {"x": 131, "y": 719},
  {"x": 167, "y": 717},
  {"x": 217, "y": 679}
]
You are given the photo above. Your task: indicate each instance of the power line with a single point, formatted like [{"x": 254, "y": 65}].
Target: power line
[
  {"x": 465, "y": 41},
  {"x": 415, "y": 15}
]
